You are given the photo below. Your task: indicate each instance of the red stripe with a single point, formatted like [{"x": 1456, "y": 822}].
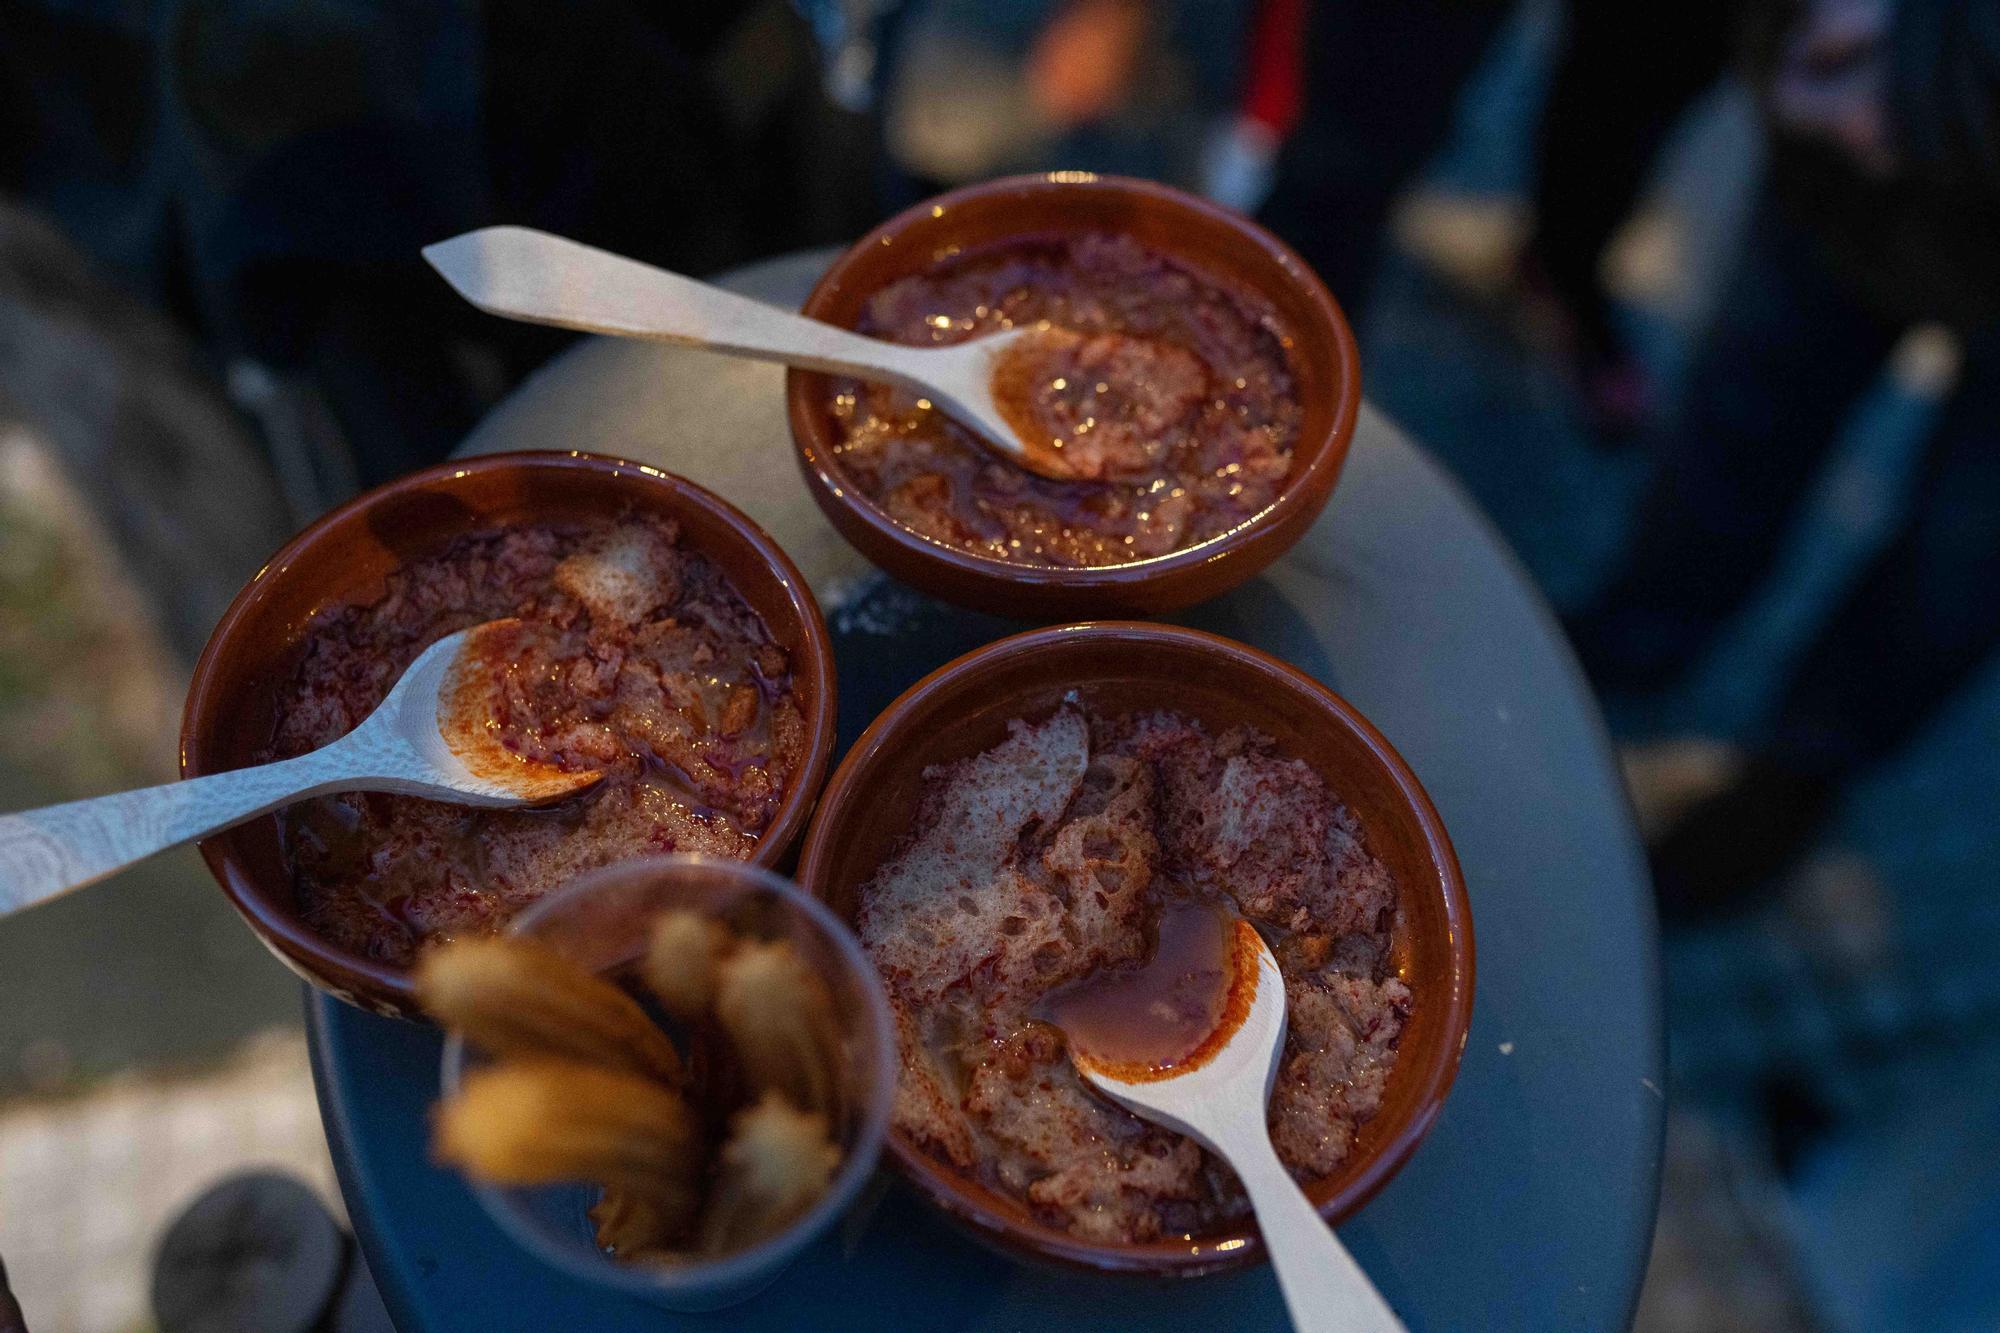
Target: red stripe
[{"x": 1273, "y": 89}]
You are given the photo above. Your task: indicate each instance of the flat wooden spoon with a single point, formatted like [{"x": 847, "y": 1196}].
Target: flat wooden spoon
[
  {"x": 427, "y": 738},
  {"x": 530, "y": 275},
  {"x": 1217, "y": 1096}
]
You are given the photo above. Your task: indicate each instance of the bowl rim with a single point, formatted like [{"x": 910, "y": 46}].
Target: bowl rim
[
  {"x": 1309, "y": 486},
  {"x": 282, "y": 930},
  {"x": 768, "y": 1257},
  {"x": 966, "y": 1200}
]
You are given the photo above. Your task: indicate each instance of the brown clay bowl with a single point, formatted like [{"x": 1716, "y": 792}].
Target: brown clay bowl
[
  {"x": 963, "y": 708},
  {"x": 1212, "y": 239},
  {"x": 342, "y": 559}
]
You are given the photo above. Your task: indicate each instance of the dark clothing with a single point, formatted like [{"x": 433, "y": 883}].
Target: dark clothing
[
  {"x": 1837, "y": 265},
  {"x": 1923, "y": 244},
  {"x": 1926, "y": 613},
  {"x": 1920, "y": 246},
  {"x": 1382, "y": 79},
  {"x": 10, "y": 1311},
  {"x": 1945, "y": 56},
  {"x": 1779, "y": 370},
  {"x": 1780, "y": 366},
  {"x": 269, "y": 169},
  {"x": 1912, "y": 248},
  {"x": 1625, "y": 74}
]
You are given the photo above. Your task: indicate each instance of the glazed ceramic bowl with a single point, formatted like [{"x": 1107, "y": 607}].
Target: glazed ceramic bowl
[
  {"x": 602, "y": 922},
  {"x": 963, "y": 709},
  {"x": 344, "y": 557},
  {"x": 1213, "y": 240}
]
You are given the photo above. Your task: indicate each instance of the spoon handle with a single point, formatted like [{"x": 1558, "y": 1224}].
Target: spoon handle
[
  {"x": 525, "y": 274},
  {"x": 47, "y": 852},
  {"x": 1325, "y": 1290}
]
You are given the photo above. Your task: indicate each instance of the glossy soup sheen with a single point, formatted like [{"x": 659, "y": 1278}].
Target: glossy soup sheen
[
  {"x": 1171, "y": 391},
  {"x": 636, "y": 658}
]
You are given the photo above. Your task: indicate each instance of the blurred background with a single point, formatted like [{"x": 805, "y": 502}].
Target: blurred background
[{"x": 1700, "y": 301}]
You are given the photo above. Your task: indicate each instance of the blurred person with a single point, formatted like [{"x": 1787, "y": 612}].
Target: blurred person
[
  {"x": 1380, "y": 83},
  {"x": 269, "y": 169},
  {"x": 1085, "y": 57},
  {"x": 1320, "y": 111},
  {"x": 978, "y": 88},
  {"x": 1881, "y": 210},
  {"x": 1381, "y": 80},
  {"x": 1624, "y": 76},
  {"x": 1090, "y": 57}
]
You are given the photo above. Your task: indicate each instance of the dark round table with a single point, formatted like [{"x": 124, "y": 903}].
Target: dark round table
[{"x": 1530, "y": 1206}]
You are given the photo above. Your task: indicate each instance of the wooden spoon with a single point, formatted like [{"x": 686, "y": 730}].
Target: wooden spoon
[
  {"x": 530, "y": 275},
  {"x": 427, "y": 738},
  {"x": 1217, "y": 1096}
]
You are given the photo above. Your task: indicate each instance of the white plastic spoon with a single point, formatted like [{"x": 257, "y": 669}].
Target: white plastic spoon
[
  {"x": 1218, "y": 1098},
  {"x": 425, "y": 739},
  {"x": 530, "y": 275}
]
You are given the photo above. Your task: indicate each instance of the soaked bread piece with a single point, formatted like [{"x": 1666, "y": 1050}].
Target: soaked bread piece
[
  {"x": 625, "y": 573},
  {"x": 1261, "y": 828},
  {"x": 1101, "y": 862},
  {"x": 953, "y": 908},
  {"x": 1049, "y": 858},
  {"x": 1340, "y": 1044},
  {"x": 1073, "y": 1154},
  {"x": 926, "y": 1107}
]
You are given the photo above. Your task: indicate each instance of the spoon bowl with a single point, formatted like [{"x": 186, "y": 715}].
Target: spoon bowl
[
  {"x": 1240, "y": 1052},
  {"x": 1216, "y": 1095},
  {"x": 433, "y": 732}
]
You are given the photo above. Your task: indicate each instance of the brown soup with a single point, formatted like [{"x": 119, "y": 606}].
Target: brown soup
[
  {"x": 1170, "y": 392},
  {"x": 1085, "y": 850},
  {"x": 635, "y": 658}
]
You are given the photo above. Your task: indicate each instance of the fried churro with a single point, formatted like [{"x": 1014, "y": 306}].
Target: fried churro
[
  {"x": 779, "y": 1017},
  {"x": 777, "y": 1161},
  {"x": 539, "y": 1120},
  {"x": 510, "y": 996},
  {"x": 681, "y": 960},
  {"x": 584, "y": 1086},
  {"x": 635, "y": 1224}
]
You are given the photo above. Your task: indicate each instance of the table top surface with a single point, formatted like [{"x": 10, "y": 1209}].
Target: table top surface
[{"x": 1531, "y": 1203}]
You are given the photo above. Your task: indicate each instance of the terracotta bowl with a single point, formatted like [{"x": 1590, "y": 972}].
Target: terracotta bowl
[
  {"x": 343, "y": 558},
  {"x": 1212, "y": 239},
  {"x": 963, "y": 708}
]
